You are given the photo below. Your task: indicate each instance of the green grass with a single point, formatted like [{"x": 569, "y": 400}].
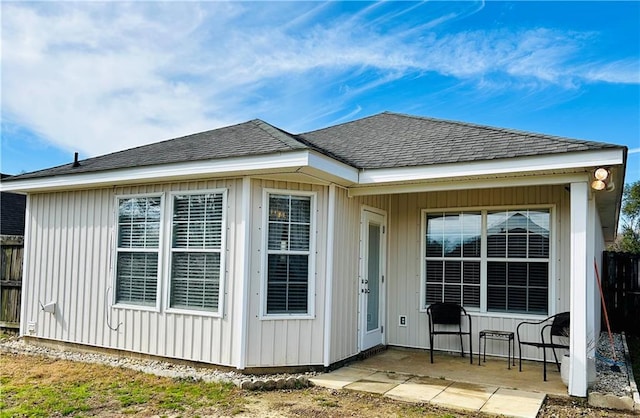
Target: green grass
[{"x": 44, "y": 387}]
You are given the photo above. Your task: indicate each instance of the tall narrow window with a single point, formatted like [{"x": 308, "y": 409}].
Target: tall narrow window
[
  {"x": 137, "y": 250},
  {"x": 196, "y": 247},
  {"x": 453, "y": 258},
  {"x": 288, "y": 254},
  {"x": 518, "y": 261}
]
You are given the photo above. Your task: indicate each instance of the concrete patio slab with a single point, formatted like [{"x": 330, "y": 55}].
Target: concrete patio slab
[
  {"x": 514, "y": 403},
  {"x": 378, "y": 388},
  {"x": 466, "y": 396},
  {"x": 418, "y": 389},
  {"x": 340, "y": 378}
]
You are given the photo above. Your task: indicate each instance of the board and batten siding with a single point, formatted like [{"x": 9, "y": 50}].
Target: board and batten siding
[
  {"x": 346, "y": 264},
  {"x": 278, "y": 341},
  {"x": 70, "y": 246},
  {"x": 405, "y": 259}
]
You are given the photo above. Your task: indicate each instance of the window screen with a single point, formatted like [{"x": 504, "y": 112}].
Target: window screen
[
  {"x": 196, "y": 246},
  {"x": 288, "y": 251},
  {"x": 137, "y": 250}
]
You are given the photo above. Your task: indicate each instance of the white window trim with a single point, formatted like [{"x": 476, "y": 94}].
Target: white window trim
[
  {"x": 160, "y": 250},
  {"x": 551, "y": 306},
  {"x": 265, "y": 252},
  {"x": 169, "y": 253}
]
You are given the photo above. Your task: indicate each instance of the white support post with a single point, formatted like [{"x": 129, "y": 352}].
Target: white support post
[
  {"x": 243, "y": 263},
  {"x": 579, "y": 301},
  {"x": 328, "y": 298}
]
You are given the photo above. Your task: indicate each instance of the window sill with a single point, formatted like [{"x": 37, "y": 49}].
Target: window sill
[
  {"x": 280, "y": 317},
  {"x": 124, "y": 306},
  {"x": 193, "y": 312}
]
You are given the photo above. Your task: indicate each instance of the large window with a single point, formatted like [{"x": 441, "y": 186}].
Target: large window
[
  {"x": 496, "y": 261},
  {"x": 289, "y": 241},
  {"x": 137, "y": 250},
  {"x": 196, "y": 251}
]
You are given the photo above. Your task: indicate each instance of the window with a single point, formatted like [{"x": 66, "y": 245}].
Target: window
[
  {"x": 196, "y": 251},
  {"x": 289, "y": 229},
  {"x": 137, "y": 250},
  {"x": 496, "y": 261},
  {"x": 453, "y": 258},
  {"x": 518, "y": 261}
]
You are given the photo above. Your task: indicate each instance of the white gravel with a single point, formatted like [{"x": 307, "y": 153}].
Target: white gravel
[
  {"x": 612, "y": 375},
  {"x": 162, "y": 368}
]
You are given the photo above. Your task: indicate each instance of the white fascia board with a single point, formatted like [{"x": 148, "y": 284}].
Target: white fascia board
[
  {"x": 333, "y": 170},
  {"x": 289, "y": 161},
  {"x": 569, "y": 160},
  {"x": 439, "y": 186}
]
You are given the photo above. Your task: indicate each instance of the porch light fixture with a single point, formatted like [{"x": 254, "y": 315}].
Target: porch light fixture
[{"x": 602, "y": 180}]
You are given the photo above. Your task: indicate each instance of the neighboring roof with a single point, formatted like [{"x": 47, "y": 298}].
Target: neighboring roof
[
  {"x": 389, "y": 140},
  {"x": 385, "y": 140},
  {"x": 254, "y": 137},
  {"x": 12, "y": 209}
]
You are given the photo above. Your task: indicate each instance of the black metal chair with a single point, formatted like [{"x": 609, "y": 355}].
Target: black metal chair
[
  {"x": 448, "y": 314},
  {"x": 554, "y": 326}
]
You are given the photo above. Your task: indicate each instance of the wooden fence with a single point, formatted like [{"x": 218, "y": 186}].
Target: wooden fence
[
  {"x": 11, "y": 254},
  {"x": 621, "y": 290}
]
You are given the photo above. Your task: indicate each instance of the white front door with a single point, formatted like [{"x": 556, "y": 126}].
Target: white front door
[{"x": 372, "y": 272}]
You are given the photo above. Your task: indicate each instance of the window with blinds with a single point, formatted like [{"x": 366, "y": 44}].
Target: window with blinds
[
  {"x": 497, "y": 257},
  {"x": 288, "y": 252},
  {"x": 518, "y": 261},
  {"x": 137, "y": 250},
  {"x": 453, "y": 258},
  {"x": 196, "y": 251}
]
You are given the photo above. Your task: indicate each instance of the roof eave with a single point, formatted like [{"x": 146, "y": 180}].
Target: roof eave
[{"x": 304, "y": 161}]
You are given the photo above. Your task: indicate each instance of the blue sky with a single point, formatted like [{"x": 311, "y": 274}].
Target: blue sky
[{"x": 100, "y": 77}]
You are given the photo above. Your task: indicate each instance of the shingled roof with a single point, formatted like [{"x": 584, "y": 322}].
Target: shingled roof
[
  {"x": 389, "y": 140},
  {"x": 385, "y": 140},
  {"x": 254, "y": 137}
]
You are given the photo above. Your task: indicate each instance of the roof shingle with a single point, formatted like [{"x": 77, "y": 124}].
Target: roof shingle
[{"x": 389, "y": 140}]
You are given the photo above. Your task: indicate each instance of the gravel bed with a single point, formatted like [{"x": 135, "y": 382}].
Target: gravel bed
[
  {"x": 616, "y": 381},
  {"x": 164, "y": 368}
]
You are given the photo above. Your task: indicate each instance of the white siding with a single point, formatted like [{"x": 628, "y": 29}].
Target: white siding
[
  {"x": 404, "y": 275},
  {"x": 344, "y": 322},
  {"x": 285, "y": 342},
  {"x": 70, "y": 243}
]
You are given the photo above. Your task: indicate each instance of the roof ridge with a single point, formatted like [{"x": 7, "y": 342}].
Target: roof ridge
[
  {"x": 505, "y": 130},
  {"x": 280, "y": 135}
]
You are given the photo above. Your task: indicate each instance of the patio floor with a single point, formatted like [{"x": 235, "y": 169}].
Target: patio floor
[{"x": 408, "y": 375}]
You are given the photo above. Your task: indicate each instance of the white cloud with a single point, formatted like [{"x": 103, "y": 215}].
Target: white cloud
[{"x": 98, "y": 77}]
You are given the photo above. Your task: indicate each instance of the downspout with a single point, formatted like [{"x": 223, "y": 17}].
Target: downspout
[
  {"x": 245, "y": 256},
  {"x": 328, "y": 299}
]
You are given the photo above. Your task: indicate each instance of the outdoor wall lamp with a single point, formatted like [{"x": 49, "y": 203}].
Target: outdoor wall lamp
[{"x": 602, "y": 180}]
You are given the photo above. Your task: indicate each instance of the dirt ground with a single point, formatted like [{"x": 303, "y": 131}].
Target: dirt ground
[{"x": 308, "y": 403}]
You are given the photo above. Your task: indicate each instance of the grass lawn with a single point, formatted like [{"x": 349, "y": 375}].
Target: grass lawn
[{"x": 41, "y": 387}]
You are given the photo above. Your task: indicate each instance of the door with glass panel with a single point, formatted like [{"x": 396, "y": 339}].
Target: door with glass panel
[{"x": 372, "y": 272}]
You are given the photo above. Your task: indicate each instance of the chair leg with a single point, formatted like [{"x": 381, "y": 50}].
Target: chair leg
[
  {"x": 520, "y": 354},
  {"x": 461, "y": 345},
  {"x": 431, "y": 347},
  {"x": 471, "y": 348},
  {"x": 544, "y": 364},
  {"x": 555, "y": 356}
]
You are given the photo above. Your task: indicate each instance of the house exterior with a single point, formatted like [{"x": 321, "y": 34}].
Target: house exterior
[{"x": 253, "y": 248}]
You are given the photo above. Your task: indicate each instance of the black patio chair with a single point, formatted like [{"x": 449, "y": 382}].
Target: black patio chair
[
  {"x": 448, "y": 314},
  {"x": 554, "y": 326}
]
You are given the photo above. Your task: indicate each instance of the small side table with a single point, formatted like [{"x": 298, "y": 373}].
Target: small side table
[{"x": 507, "y": 336}]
